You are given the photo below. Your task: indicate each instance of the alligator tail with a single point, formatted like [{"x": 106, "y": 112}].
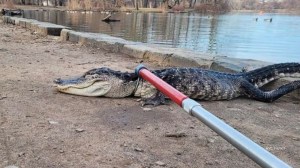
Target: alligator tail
[
  {"x": 264, "y": 75},
  {"x": 269, "y": 96}
]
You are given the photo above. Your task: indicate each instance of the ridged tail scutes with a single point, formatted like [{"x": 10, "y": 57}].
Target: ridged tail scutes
[
  {"x": 269, "y": 96},
  {"x": 264, "y": 75}
]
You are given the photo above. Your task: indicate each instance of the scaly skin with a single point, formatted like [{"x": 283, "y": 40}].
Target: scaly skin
[{"x": 194, "y": 82}]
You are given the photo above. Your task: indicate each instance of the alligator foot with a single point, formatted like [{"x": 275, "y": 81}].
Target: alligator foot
[{"x": 157, "y": 99}]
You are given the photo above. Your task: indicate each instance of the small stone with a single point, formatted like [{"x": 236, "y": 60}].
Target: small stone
[
  {"x": 21, "y": 154},
  {"x": 138, "y": 150},
  {"x": 61, "y": 151},
  {"x": 79, "y": 130},
  {"x": 138, "y": 127},
  {"x": 209, "y": 163},
  {"x": 178, "y": 153},
  {"x": 210, "y": 140},
  {"x": 160, "y": 163},
  {"x": 3, "y": 97},
  {"x": 53, "y": 122},
  {"x": 11, "y": 166},
  {"x": 147, "y": 109},
  {"x": 176, "y": 135}
]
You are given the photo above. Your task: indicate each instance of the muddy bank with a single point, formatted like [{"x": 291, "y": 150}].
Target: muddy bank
[{"x": 40, "y": 127}]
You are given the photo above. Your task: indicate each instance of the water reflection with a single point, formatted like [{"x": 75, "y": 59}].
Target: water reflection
[{"x": 235, "y": 35}]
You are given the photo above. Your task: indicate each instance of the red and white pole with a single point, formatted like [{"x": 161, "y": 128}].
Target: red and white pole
[{"x": 237, "y": 139}]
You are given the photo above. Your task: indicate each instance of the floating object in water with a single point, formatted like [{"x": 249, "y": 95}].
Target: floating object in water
[
  {"x": 270, "y": 20},
  {"x": 107, "y": 19},
  {"x": 11, "y": 12}
]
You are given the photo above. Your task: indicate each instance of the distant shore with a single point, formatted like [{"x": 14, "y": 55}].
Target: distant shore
[{"x": 63, "y": 8}]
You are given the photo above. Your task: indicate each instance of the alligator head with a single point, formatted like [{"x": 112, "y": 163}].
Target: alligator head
[{"x": 99, "y": 82}]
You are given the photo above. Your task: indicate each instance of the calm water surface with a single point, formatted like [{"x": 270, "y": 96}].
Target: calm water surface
[{"x": 236, "y": 35}]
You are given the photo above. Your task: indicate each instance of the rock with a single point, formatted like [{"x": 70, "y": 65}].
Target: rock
[
  {"x": 138, "y": 127},
  {"x": 53, "y": 122},
  {"x": 147, "y": 109},
  {"x": 176, "y": 135},
  {"x": 79, "y": 130},
  {"x": 138, "y": 150},
  {"x": 21, "y": 154},
  {"x": 209, "y": 162},
  {"x": 178, "y": 153},
  {"x": 160, "y": 163},
  {"x": 11, "y": 166}
]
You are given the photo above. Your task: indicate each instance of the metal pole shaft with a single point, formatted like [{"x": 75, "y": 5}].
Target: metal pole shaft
[{"x": 237, "y": 139}]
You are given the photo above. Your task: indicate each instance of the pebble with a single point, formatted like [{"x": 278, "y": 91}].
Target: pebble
[
  {"x": 178, "y": 153},
  {"x": 138, "y": 150},
  {"x": 210, "y": 140},
  {"x": 160, "y": 163},
  {"x": 21, "y": 154},
  {"x": 176, "y": 135},
  {"x": 79, "y": 130},
  {"x": 138, "y": 127},
  {"x": 147, "y": 109},
  {"x": 53, "y": 122},
  {"x": 11, "y": 166}
]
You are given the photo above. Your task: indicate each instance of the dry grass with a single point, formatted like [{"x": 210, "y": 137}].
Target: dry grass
[
  {"x": 178, "y": 8},
  {"x": 89, "y": 5},
  {"x": 73, "y": 5},
  {"x": 9, "y": 4}
]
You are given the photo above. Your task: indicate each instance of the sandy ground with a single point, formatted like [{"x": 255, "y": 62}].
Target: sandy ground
[{"x": 40, "y": 127}]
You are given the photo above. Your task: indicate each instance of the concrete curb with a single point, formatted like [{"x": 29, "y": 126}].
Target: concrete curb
[
  {"x": 164, "y": 56},
  {"x": 42, "y": 28}
]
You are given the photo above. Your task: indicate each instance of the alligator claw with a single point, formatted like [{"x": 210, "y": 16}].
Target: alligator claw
[{"x": 158, "y": 99}]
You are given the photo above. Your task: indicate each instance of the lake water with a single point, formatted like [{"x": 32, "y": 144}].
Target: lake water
[{"x": 236, "y": 35}]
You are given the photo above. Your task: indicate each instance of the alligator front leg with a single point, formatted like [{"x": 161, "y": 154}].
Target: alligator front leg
[
  {"x": 268, "y": 96},
  {"x": 157, "y": 99}
]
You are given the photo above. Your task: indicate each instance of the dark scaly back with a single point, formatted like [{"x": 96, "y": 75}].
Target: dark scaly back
[
  {"x": 125, "y": 76},
  {"x": 200, "y": 83},
  {"x": 269, "y": 73}
]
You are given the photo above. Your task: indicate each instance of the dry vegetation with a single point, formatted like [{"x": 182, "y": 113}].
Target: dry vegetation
[
  {"x": 165, "y": 5},
  {"x": 8, "y": 4}
]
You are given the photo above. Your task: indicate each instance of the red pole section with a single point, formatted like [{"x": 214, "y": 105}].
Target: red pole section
[{"x": 164, "y": 87}]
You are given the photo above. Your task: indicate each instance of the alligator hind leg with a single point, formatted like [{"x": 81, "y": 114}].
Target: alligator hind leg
[{"x": 268, "y": 96}]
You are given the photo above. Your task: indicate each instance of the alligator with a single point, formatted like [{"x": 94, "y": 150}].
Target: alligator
[{"x": 196, "y": 83}]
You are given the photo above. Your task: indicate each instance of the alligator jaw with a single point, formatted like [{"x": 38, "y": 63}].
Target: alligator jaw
[{"x": 82, "y": 87}]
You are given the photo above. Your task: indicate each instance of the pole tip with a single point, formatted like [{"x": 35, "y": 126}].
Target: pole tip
[{"x": 138, "y": 68}]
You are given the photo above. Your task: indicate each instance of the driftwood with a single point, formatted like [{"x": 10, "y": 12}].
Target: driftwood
[
  {"x": 11, "y": 12},
  {"x": 108, "y": 19}
]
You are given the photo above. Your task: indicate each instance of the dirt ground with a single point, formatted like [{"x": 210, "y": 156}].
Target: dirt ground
[{"x": 40, "y": 127}]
